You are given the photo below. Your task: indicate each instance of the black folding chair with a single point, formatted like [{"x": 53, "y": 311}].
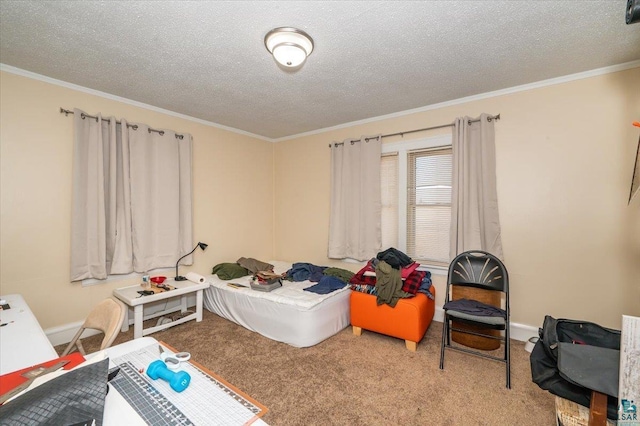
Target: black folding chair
[{"x": 477, "y": 269}]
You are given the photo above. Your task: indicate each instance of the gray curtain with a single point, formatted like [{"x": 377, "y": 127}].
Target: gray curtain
[
  {"x": 132, "y": 198},
  {"x": 475, "y": 223},
  {"x": 354, "y": 224}
]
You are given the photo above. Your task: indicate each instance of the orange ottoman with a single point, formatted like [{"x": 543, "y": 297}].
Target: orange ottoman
[{"x": 408, "y": 320}]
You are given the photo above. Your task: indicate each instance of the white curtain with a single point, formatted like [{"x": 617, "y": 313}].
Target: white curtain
[
  {"x": 160, "y": 197},
  {"x": 354, "y": 224},
  {"x": 475, "y": 223},
  {"x": 131, "y": 198}
]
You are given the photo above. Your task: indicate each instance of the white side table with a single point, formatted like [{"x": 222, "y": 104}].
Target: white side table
[{"x": 130, "y": 296}]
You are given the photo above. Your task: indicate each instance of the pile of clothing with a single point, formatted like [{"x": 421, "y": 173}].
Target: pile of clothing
[
  {"x": 328, "y": 279},
  {"x": 242, "y": 267},
  {"x": 391, "y": 276}
]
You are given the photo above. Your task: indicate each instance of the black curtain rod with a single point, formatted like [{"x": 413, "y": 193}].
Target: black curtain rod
[
  {"x": 489, "y": 118},
  {"x": 66, "y": 112}
]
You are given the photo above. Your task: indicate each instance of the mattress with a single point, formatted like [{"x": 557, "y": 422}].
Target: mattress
[{"x": 287, "y": 314}]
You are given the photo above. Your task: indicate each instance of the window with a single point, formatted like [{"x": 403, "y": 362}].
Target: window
[
  {"x": 429, "y": 204},
  {"x": 416, "y": 198}
]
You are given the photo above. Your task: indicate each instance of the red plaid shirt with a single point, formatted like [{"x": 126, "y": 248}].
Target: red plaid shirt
[{"x": 413, "y": 281}]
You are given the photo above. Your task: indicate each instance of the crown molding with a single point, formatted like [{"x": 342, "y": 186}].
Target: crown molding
[
  {"x": 515, "y": 89},
  {"x": 501, "y": 92},
  {"x": 44, "y": 78}
]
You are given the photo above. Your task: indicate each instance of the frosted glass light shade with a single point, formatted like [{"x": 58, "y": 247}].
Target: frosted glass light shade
[
  {"x": 289, "y": 46},
  {"x": 289, "y": 55}
]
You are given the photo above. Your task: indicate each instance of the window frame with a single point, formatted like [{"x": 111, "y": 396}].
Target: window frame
[
  {"x": 87, "y": 282},
  {"x": 401, "y": 149}
]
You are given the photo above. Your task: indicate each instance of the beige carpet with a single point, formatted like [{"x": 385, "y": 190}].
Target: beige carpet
[{"x": 361, "y": 380}]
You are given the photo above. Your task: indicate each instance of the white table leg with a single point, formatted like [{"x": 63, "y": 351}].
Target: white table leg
[
  {"x": 199, "y": 306},
  {"x": 125, "y": 323},
  {"x": 137, "y": 322},
  {"x": 183, "y": 303}
]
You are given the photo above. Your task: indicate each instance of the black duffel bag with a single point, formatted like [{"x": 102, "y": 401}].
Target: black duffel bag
[{"x": 544, "y": 360}]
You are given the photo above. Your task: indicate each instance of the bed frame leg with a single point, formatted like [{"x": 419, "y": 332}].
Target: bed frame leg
[
  {"x": 412, "y": 346},
  {"x": 357, "y": 330}
]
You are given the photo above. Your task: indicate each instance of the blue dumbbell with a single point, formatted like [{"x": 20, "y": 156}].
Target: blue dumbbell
[{"x": 178, "y": 380}]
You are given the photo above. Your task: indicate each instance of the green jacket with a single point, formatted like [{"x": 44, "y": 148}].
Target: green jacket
[{"x": 389, "y": 285}]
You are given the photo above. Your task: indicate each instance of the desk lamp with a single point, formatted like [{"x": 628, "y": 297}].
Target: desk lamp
[{"x": 203, "y": 246}]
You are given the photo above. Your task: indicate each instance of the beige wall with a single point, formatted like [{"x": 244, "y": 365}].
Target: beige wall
[
  {"x": 233, "y": 194},
  {"x": 565, "y": 157},
  {"x": 564, "y": 152}
]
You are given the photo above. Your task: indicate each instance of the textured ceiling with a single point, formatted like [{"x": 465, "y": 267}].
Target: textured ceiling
[{"x": 207, "y": 59}]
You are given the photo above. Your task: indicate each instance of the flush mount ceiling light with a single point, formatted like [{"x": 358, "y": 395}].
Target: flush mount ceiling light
[{"x": 289, "y": 46}]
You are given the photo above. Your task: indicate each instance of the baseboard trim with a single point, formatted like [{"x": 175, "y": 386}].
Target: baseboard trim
[
  {"x": 64, "y": 333},
  {"x": 521, "y": 332}
]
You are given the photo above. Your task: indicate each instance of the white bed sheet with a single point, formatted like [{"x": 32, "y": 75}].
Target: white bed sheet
[{"x": 287, "y": 314}]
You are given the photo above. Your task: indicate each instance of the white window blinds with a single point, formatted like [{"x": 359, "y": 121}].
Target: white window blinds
[{"x": 429, "y": 204}]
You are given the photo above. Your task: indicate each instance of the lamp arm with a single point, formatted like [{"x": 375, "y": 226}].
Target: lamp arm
[{"x": 179, "y": 278}]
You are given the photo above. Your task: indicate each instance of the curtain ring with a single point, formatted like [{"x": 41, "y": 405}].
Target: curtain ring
[
  {"x": 83, "y": 116},
  {"x": 182, "y": 137},
  {"x": 352, "y": 142},
  {"x": 161, "y": 132},
  {"x": 134, "y": 127}
]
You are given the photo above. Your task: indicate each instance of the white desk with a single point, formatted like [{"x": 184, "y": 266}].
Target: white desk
[
  {"x": 130, "y": 296},
  {"x": 117, "y": 410},
  {"x": 22, "y": 340}
]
